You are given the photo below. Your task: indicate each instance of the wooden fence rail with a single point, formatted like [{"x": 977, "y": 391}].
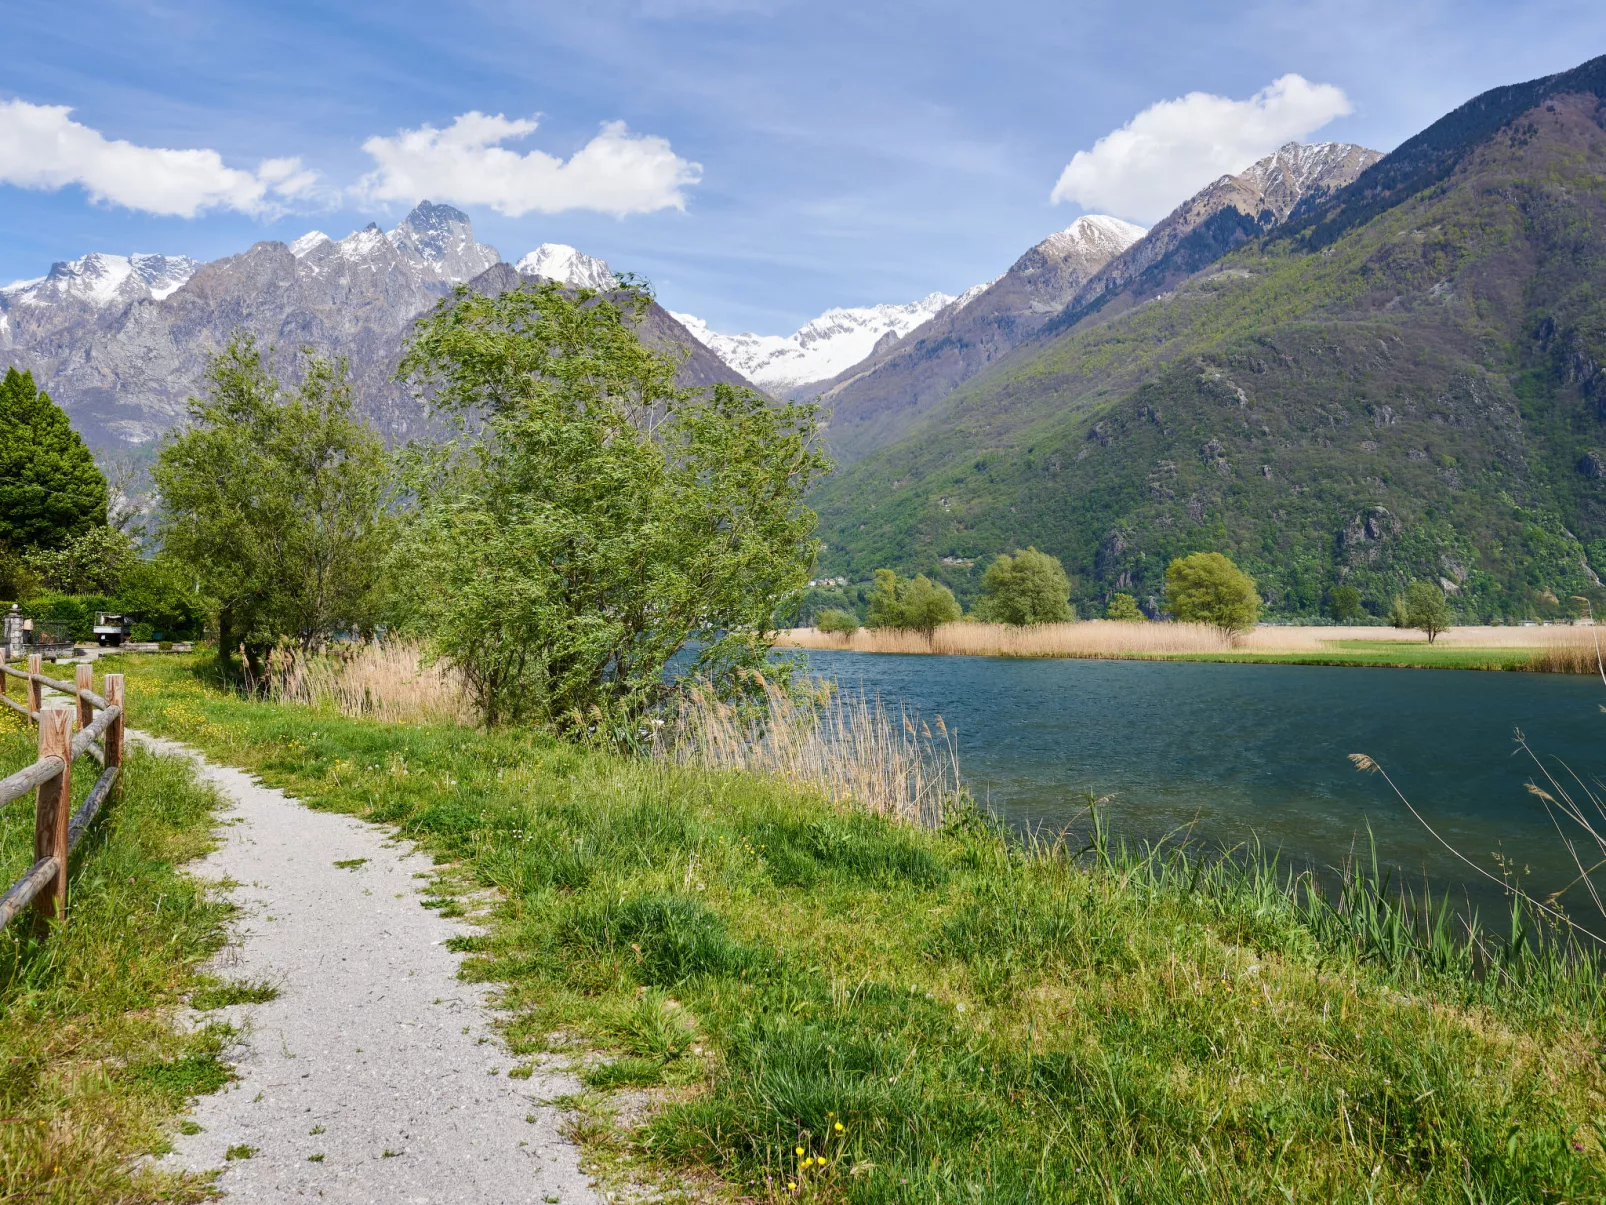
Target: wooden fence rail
[{"x": 55, "y": 832}]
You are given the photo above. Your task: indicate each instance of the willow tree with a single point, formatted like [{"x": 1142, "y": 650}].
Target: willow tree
[{"x": 594, "y": 520}]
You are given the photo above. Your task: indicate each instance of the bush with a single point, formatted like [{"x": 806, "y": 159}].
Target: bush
[
  {"x": 1208, "y": 588},
  {"x": 1124, "y": 608},
  {"x": 1344, "y": 604},
  {"x": 1027, "y": 588},
  {"x": 843, "y": 623},
  {"x": 920, "y": 604}
]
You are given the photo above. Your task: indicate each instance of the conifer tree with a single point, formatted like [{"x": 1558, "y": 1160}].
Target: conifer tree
[{"x": 50, "y": 490}]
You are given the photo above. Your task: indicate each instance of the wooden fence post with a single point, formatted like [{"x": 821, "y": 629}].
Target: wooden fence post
[
  {"x": 115, "y": 697},
  {"x": 36, "y": 692},
  {"x": 84, "y": 679},
  {"x": 5, "y": 678},
  {"x": 52, "y": 810}
]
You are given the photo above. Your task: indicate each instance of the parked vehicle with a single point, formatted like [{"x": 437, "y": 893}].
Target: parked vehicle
[{"x": 111, "y": 629}]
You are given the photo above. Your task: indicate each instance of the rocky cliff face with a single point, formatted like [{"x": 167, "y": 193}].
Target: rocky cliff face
[
  {"x": 1218, "y": 218},
  {"x": 122, "y": 342}
]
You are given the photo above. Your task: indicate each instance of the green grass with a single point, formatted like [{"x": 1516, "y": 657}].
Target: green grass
[
  {"x": 1397, "y": 654},
  {"x": 93, "y": 1073},
  {"x": 984, "y": 1021}
]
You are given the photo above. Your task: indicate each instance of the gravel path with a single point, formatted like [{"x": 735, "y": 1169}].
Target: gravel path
[{"x": 375, "y": 1055}]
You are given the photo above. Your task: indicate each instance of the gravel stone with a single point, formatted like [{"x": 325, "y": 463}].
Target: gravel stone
[{"x": 372, "y": 1037}]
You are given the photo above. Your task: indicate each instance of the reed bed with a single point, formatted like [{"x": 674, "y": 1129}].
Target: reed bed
[
  {"x": 1559, "y": 649},
  {"x": 391, "y": 681},
  {"x": 846, "y": 745}
]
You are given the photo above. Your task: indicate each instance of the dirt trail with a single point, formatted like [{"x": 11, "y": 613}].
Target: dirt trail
[{"x": 374, "y": 1076}]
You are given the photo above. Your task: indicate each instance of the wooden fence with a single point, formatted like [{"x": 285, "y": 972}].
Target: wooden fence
[{"x": 56, "y": 828}]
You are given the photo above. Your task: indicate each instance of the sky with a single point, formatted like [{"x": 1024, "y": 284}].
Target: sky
[{"x": 759, "y": 161}]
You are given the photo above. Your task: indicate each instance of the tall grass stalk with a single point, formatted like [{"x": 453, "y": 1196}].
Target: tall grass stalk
[
  {"x": 1555, "y": 649},
  {"x": 845, "y": 744},
  {"x": 382, "y": 680}
]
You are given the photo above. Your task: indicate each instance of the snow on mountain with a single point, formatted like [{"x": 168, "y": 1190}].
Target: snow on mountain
[
  {"x": 821, "y": 347},
  {"x": 1096, "y": 234},
  {"x": 99, "y": 279},
  {"x": 307, "y": 242},
  {"x": 562, "y": 263}
]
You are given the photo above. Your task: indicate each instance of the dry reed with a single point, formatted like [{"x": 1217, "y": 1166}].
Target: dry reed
[
  {"x": 380, "y": 681},
  {"x": 846, "y": 745},
  {"x": 1561, "y": 649}
]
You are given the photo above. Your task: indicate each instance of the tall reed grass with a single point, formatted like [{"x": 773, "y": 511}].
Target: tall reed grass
[
  {"x": 381, "y": 680},
  {"x": 1561, "y": 649},
  {"x": 845, "y": 744}
]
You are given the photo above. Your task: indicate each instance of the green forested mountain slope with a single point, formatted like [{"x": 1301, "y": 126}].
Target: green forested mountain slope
[{"x": 1410, "y": 384}]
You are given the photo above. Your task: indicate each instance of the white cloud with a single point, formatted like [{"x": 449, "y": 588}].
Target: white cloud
[
  {"x": 617, "y": 172},
  {"x": 41, "y": 147},
  {"x": 1174, "y": 148}
]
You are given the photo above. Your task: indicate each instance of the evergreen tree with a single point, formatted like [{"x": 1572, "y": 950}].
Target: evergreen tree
[{"x": 50, "y": 490}]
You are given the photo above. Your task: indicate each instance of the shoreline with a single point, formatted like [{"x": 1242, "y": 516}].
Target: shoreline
[{"x": 1565, "y": 650}]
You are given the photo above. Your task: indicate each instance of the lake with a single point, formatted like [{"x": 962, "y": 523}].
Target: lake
[{"x": 1239, "y": 751}]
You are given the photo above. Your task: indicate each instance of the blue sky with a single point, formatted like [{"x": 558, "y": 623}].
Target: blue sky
[{"x": 775, "y": 158}]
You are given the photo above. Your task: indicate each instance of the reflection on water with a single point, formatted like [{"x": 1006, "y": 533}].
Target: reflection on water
[{"x": 1242, "y": 750}]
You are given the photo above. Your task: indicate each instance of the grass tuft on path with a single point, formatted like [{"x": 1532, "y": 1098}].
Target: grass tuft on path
[
  {"x": 824, "y": 1006},
  {"x": 93, "y": 1071}
]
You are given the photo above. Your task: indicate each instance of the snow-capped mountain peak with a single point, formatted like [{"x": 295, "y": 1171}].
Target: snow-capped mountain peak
[
  {"x": 434, "y": 243},
  {"x": 99, "y": 279},
  {"x": 307, "y": 242},
  {"x": 564, "y": 264},
  {"x": 819, "y": 349},
  {"x": 1093, "y": 233}
]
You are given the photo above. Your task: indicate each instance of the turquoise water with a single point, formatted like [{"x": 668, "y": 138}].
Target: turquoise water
[{"x": 1233, "y": 752}]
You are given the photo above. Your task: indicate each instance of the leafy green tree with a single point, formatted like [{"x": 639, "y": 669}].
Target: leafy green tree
[
  {"x": 1344, "y": 604},
  {"x": 1427, "y": 608},
  {"x": 275, "y": 504},
  {"x": 160, "y": 593},
  {"x": 50, "y": 490},
  {"x": 1027, "y": 588},
  {"x": 1208, "y": 588},
  {"x": 835, "y": 622},
  {"x": 917, "y": 603},
  {"x": 1399, "y": 614},
  {"x": 93, "y": 562},
  {"x": 596, "y": 518},
  {"x": 1124, "y": 607}
]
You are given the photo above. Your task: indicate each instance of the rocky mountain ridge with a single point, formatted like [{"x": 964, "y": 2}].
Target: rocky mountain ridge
[
  {"x": 823, "y": 347},
  {"x": 122, "y": 342},
  {"x": 1402, "y": 378}
]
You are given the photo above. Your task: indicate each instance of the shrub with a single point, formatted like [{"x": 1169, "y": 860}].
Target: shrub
[
  {"x": 1344, "y": 604},
  {"x": 843, "y": 623},
  {"x": 918, "y": 604},
  {"x": 1208, "y": 588},
  {"x": 1124, "y": 608}
]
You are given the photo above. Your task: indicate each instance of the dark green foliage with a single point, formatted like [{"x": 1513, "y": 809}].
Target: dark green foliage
[
  {"x": 1208, "y": 588},
  {"x": 50, "y": 490},
  {"x": 1029, "y": 587},
  {"x": 1422, "y": 397},
  {"x": 918, "y": 604},
  {"x": 1344, "y": 604},
  {"x": 96, "y": 561}
]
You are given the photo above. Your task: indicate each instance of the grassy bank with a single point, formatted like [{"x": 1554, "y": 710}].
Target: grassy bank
[
  {"x": 1541, "y": 650},
  {"x": 804, "y": 1002},
  {"x": 94, "y": 1072}
]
